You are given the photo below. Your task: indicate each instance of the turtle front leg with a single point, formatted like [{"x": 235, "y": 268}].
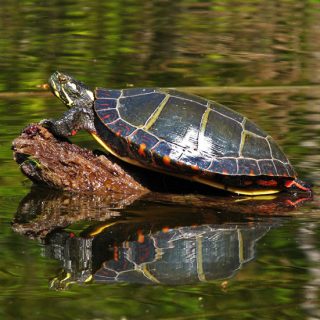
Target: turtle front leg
[{"x": 73, "y": 120}]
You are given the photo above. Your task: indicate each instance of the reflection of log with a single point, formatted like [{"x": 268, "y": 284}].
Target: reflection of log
[
  {"x": 41, "y": 212},
  {"x": 63, "y": 165}
]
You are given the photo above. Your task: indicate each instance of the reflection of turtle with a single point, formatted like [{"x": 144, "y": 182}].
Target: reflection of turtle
[
  {"x": 178, "y": 255},
  {"x": 181, "y": 255},
  {"x": 177, "y": 134}
]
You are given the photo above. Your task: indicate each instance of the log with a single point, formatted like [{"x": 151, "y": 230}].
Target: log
[{"x": 59, "y": 164}]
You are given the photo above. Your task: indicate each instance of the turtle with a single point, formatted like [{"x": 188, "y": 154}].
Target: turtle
[{"x": 176, "y": 133}]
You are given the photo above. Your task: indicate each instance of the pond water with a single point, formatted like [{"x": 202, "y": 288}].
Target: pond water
[{"x": 153, "y": 259}]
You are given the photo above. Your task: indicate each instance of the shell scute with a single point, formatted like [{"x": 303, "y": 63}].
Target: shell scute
[
  {"x": 121, "y": 128},
  {"x": 102, "y": 104},
  {"x": 191, "y": 160},
  {"x": 224, "y": 166},
  {"x": 101, "y": 93},
  {"x": 141, "y": 144},
  {"x": 108, "y": 115},
  {"x": 248, "y": 167},
  {"x": 267, "y": 168}
]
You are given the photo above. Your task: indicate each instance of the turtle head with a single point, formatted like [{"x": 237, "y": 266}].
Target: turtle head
[{"x": 70, "y": 91}]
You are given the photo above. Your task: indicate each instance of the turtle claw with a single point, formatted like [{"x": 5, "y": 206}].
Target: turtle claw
[{"x": 48, "y": 124}]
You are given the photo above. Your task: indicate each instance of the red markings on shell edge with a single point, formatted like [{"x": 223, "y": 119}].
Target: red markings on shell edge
[
  {"x": 166, "y": 160},
  {"x": 141, "y": 150},
  {"x": 115, "y": 253},
  {"x": 121, "y": 128},
  {"x": 140, "y": 236},
  {"x": 267, "y": 183},
  {"x": 226, "y": 166},
  {"x": 140, "y": 136},
  {"x": 165, "y": 229}
]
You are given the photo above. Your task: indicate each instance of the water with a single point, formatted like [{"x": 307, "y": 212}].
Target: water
[{"x": 225, "y": 260}]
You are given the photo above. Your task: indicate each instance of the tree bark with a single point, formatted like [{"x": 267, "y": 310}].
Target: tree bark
[{"x": 65, "y": 166}]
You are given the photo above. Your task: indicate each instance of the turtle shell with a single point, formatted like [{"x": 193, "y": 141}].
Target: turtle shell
[{"x": 183, "y": 134}]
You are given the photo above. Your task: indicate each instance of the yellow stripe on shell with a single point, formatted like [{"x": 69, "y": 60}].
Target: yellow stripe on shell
[
  {"x": 148, "y": 274},
  {"x": 204, "y": 120},
  {"x": 157, "y": 113}
]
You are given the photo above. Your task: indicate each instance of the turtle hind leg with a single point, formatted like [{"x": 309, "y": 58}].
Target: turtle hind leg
[
  {"x": 73, "y": 120},
  {"x": 298, "y": 185}
]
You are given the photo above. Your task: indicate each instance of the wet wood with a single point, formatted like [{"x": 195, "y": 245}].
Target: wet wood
[
  {"x": 61, "y": 165},
  {"x": 44, "y": 210}
]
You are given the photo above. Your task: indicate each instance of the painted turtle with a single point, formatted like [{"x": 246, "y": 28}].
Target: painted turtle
[{"x": 178, "y": 134}]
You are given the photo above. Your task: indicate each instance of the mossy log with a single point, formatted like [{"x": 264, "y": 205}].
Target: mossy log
[{"x": 62, "y": 165}]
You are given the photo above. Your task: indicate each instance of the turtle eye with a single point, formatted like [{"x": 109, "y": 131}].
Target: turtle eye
[{"x": 62, "y": 79}]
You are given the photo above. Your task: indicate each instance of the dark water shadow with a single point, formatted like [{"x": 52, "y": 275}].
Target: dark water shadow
[{"x": 43, "y": 209}]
